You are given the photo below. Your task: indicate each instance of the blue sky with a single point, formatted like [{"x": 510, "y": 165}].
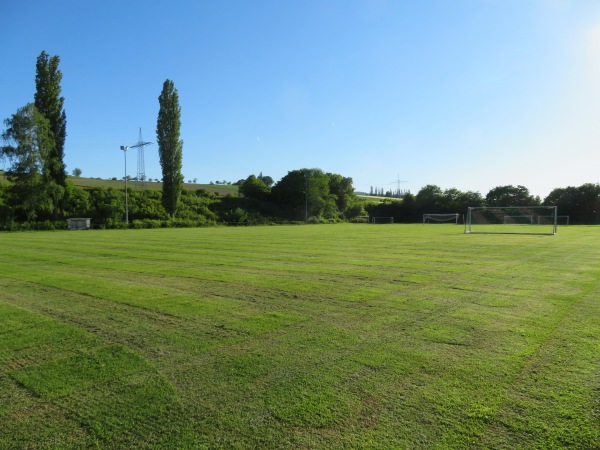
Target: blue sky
[{"x": 471, "y": 94}]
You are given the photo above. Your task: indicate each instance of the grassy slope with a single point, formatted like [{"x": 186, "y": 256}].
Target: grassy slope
[
  {"x": 405, "y": 336},
  {"x": 120, "y": 184}
]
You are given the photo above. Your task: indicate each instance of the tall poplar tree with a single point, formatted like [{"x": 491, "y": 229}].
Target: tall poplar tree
[
  {"x": 50, "y": 104},
  {"x": 170, "y": 147}
]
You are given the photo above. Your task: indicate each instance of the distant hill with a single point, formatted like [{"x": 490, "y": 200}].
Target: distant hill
[{"x": 221, "y": 190}]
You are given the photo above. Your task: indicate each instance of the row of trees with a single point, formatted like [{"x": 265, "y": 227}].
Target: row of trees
[
  {"x": 581, "y": 204},
  {"x": 381, "y": 192},
  {"x": 306, "y": 194},
  {"x": 302, "y": 194},
  {"x": 34, "y": 141}
]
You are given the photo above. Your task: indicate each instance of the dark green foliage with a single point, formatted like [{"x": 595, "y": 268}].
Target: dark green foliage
[
  {"x": 266, "y": 179},
  {"x": 289, "y": 193},
  {"x": 107, "y": 205},
  {"x": 254, "y": 187},
  {"x": 321, "y": 202},
  {"x": 456, "y": 201},
  {"x": 511, "y": 196},
  {"x": 345, "y": 199},
  {"x": 305, "y": 193},
  {"x": 237, "y": 216},
  {"x": 170, "y": 147},
  {"x": 196, "y": 206},
  {"x": 243, "y": 210},
  {"x": 6, "y": 211},
  {"x": 50, "y": 104},
  {"x": 581, "y": 204},
  {"x": 146, "y": 204},
  {"x": 77, "y": 200},
  {"x": 409, "y": 212},
  {"x": 429, "y": 198},
  {"x": 28, "y": 143},
  {"x": 387, "y": 208}
]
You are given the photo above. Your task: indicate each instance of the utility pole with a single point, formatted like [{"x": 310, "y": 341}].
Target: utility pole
[
  {"x": 141, "y": 169},
  {"x": 140, "y": 145},
  {"x": 398, "y": 182},
  {"x": 125, "y": 148},
  {"x": 306, "y": 197}
]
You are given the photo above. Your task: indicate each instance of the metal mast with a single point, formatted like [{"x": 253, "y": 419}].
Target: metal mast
[
  {"x": 141, "y": 169},
  {"x": 399, "y": 182},
  {"x": 125, "y": 148}
]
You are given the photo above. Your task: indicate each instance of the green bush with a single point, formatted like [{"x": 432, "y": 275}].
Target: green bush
[{"x": 147, "y": 223}]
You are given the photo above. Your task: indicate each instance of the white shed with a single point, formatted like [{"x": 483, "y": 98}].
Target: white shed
[{"x": 79, "y": 223}]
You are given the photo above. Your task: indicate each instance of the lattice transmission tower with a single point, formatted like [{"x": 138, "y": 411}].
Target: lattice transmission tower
[
  {"x": 399, "y": 191},
  {"x": 141, "y": 168}
]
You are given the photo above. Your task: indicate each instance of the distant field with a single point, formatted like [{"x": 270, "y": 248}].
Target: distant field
[
  {"x": 120, "y": 184},
  {"x": 325, "y": 336}
]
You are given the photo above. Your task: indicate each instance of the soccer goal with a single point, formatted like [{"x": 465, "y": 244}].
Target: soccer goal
[
  {"x": 560, "y": 220},
  {"x": 428, "y": 218},
  {"x": 512, "y": 220},
  {"x": 382, "y": 220}
]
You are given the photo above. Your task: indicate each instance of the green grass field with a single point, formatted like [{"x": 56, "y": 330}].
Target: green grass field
[{"x": 325, "y": 336}]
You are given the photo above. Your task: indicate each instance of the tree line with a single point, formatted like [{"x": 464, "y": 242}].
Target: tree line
[
  {"x": 581, "y": 204},
  {"x": 302, "y": 195}
]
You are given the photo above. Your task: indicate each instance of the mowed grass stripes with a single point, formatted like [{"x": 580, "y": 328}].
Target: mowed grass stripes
[{"x": 328, "y": 336}]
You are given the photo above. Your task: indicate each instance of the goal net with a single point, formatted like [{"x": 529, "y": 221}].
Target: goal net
[
  {"x": 524, "y": 219},
  {"x": 560, "y": 220},
  {"x": 512, "y": 220},
  {"x": 382, "y": 220},
  {"x": 428, "y": 218}
]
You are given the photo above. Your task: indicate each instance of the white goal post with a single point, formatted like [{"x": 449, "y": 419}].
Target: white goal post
[
  {"x": 427, "y": 218},
  {"x": 512, "y": 219}
]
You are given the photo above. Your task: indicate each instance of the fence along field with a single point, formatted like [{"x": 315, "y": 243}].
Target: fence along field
[{"x": 321, "y": 336}]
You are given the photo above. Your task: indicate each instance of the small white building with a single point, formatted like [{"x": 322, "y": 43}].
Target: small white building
[{"x": 79, "y": 223}]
